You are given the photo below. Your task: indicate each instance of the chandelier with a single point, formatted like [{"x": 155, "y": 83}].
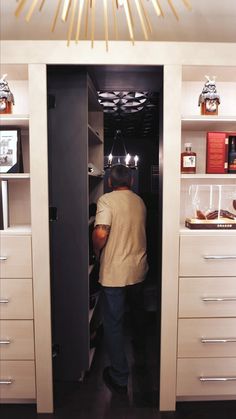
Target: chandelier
[
  {"x": 78, "y": 13},
  {"x": 122, "y": 157}
]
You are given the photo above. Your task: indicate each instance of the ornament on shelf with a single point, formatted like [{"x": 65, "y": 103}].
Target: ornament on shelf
[
  {"x": 209, "y": 99},
  {"x": 6, "y": 96}
]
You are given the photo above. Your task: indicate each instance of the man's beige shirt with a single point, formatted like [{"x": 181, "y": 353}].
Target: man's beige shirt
[{"x": 123, "y": 259}]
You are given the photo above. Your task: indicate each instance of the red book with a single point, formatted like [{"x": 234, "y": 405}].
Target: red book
[{"x": 217, "y": 152}]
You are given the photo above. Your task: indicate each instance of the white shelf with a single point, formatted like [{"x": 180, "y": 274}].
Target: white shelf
[
  {"x": 208, "y": 123},
  {"x": 223, "y": 176},
  {"x": 15, "y": 176},
  {"x": 94, "y": 137},
  {"x": 14, "y": 120},
  {"x": 18, "y": 229},
  {"x": 184, "y": 231}
]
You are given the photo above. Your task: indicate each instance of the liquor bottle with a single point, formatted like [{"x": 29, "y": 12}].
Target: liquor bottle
[
  {"x": 232, "y": 155},
  {"x": 188, "y": 159}
]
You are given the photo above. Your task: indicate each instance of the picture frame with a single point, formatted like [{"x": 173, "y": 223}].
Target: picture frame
[{"x": 11, "y": 160}]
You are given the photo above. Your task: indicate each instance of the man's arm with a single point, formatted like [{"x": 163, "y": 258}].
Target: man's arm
[{"x": 99, "y": 237}]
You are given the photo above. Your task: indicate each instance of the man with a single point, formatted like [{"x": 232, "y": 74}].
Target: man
[{"x": 120, "y": 237}]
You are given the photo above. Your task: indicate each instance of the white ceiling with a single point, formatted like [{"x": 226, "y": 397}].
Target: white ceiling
[{"x": 209, "y": 21}]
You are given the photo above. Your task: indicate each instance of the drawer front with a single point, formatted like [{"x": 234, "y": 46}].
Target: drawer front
[
  {"x": 16, "y": 339},
  {"x": 207, "y": 297},
  {"x": 206, "y": 377},
  {"x": 17, "y": 380},
  {"x": 206, "y": 338},
  {"x": 207, "y": 256},
  {"x": 16, "y": 301},
  {"x": 15, "y": 257}
]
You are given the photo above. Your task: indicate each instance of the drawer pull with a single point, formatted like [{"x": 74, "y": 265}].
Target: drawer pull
[
  {"x": 4, "y": 301},
  {"x": 207, "y": 257},
  {"x": 6, "y": 381},
  {"x": 2, "y": 258},
  {"x": 211, "y": 379},
  {"x": 5, "y": 342},
  {"x": 213, "y": 299},
  {"x": 224, "y": 340}
]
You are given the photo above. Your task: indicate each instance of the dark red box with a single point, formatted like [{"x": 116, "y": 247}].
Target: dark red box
[{"x": 217, "y": 152}]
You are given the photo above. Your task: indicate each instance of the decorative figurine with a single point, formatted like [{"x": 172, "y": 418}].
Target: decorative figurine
[
  {"x": 209, "y": 99},
  {"x": 6, "y": 96}
]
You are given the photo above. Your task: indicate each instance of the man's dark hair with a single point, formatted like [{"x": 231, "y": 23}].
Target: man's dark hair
[{"x": 120, "y": 175}]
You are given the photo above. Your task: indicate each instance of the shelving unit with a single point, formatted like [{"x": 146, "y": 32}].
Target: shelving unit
[
  {"x": 207, "y": 266},
  {"x": 16, "y": 279}
]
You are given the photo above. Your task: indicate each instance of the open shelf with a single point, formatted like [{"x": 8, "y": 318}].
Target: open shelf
[
  {"x": 208, "y": 123},
  {"x": 94, "y": 137},
  {"x": 15, "y": 176},
  {"x": 14, "y": 120},
  {"x": 209, "y": 176},
  {"x": 17, "y": 229}
]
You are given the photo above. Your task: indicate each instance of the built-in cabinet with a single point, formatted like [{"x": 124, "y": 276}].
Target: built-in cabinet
[
  {"x": 206, "y": 343},
  {"x": 17, "y": 337}
]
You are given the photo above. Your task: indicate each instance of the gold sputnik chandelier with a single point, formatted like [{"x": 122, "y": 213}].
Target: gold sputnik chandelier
[{"x": 76, "y": 12}]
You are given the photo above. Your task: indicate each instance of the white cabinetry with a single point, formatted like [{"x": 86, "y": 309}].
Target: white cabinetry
[{"x": 206, "y": 360}]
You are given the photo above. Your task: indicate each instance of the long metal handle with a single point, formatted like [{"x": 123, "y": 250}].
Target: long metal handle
[
  {"x": 213, "y": 299},
  {"x": 2, "y": 258},
  {"x": 6, "y": 381},
  {"x": 5, "y": 342},
  {"x": 221, "y": 340},
  {"x": 203, "y": 379},
  {"x": 219, "y": 257},
  {"x": 4, "y": 300}
]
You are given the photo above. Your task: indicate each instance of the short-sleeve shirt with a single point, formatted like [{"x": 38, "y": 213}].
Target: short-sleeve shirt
[{"x": 123, "y": 259}]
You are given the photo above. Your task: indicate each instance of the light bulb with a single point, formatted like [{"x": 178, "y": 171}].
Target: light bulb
[
  {"x": 110, "y": 157},
  {"x": 127, "y": 159},
  {"x": 136, "y": 160}
]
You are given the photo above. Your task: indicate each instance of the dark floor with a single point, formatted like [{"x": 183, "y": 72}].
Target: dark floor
[{"x": 92, "y": 400}]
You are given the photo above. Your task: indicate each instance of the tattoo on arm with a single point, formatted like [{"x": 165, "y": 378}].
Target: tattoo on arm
[{"x": 103, "y": 227}]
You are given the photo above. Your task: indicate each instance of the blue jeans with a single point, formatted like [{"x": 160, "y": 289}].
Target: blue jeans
[{"x": 114, "y": 299}]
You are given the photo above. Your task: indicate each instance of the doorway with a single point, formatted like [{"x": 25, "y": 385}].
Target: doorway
[{"x": 68, "y": 188}]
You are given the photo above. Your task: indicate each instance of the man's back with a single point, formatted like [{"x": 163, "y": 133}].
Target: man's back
[{"x": 123, "y": 259}]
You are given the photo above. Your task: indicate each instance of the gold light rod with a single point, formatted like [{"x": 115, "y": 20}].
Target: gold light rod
[
  {"x": 86, "y": 19},
  {"x": 92, "y": 5},
  {"x": 31, "y": 10},
  {"x": 156, "y": 7},
  {"x": 71, "y": 24},
  {"x": 81, "y": 5},
  {"x": 65, "y": 10},
  {"x": 173, "y": 9},
  {"x": 41, "y": 5},
  {"x": 106, "y": 22},
  {"x": 187, "y": 4},
  {"x": 158, "y": 3},
  {"x": 128, "y": 18},
  {"x": 149, "y": 26},
  {"x": 56, "y": 16},
  {"x": 114, "y": 4},
  {"x": 20, "y": 7},
  {"x": 141, "y": 19}
]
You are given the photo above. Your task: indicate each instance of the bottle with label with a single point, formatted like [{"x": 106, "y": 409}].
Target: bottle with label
[
  {"x": 188, "y": 159},
  {"x": 232, "y": 155}
]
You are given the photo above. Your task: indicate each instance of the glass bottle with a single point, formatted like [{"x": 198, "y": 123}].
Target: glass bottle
[
  {"x": 232, "y": 156},
  {"x": 188, "y": 159}
]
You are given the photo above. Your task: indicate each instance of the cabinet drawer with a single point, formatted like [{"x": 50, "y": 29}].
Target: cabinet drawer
[
  {"x": 16, "y": 301},
  {"x": 207, "y": 297},
  {"x": 15, "y": 257},
  {"x": 16, "y": 339},
  {"x": 206, "y": 377},
  {"x": 17, "y": 380},
  {"x": 206, "y": 338},
  {"x": 207, "y": 255}
]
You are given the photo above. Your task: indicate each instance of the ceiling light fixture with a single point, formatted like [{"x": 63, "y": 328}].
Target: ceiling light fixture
[{"x": 77, "y": 12}]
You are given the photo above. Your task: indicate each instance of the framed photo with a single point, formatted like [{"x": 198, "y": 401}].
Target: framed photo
[{"x": 10, "y": 150}]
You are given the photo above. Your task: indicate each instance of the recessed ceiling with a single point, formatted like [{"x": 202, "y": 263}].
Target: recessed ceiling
[{"x": 209, "y": 21}]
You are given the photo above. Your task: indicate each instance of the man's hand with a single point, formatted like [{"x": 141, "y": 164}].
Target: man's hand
[{"x": 99, "y": 237}]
